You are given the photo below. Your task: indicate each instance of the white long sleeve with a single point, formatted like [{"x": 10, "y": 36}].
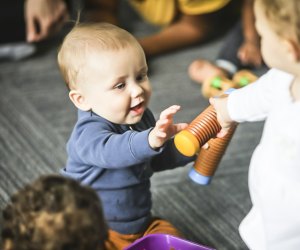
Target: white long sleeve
[{"x": 254, "y": 102}]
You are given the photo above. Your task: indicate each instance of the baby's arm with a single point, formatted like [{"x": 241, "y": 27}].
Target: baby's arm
[
  {"x": 97, "y": 142},
  {"x": 164, "y": 128},
  {"x": 255, "y": 101}
]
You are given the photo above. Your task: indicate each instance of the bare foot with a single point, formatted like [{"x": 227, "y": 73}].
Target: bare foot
[{"x": 201, "y": 70}]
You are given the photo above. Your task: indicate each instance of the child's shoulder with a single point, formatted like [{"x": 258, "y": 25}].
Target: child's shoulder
[
  {"x": 85, "y": 116},
  {"x": 276, "y": 82},
  {"x": 280, "y": 75},
  {"x": 91, "y": 119}
]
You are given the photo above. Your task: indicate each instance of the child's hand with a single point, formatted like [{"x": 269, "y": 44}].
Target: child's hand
[
  {"x": 220, "y": 105},
  {"x": 164, "y": 128},
  {"x": 49, "y": 16}
]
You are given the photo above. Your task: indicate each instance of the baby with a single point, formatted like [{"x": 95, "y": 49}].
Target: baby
[
  {"x": 54, "y": 213},
  {"x": 116, "y": 145},
  {"x": 274, "y": 174}
]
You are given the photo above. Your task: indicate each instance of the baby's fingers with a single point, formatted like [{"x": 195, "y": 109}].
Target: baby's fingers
[
  {"x": 167, "y": 113},
  {"x": 160, "y": 124},
  {"x": 205, "y": 146},
  {"x": 223, "y": 132},
  {"x": 161, "y": 134},
  {"x": 179, "y": 126}
]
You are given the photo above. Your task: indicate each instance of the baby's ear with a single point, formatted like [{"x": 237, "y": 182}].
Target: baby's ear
[
  {"x": 293, "y": 49},
  {"x": 78, "y": 99}
]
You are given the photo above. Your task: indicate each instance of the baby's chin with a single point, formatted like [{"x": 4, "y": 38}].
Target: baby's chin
[{"x": 134, "y": 120}]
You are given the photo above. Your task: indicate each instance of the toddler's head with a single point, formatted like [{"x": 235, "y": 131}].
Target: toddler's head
[
  {"x": 54, "y": 213},
  {"x": 278, "y": 23},
  {"x": 106, "y": 71}
]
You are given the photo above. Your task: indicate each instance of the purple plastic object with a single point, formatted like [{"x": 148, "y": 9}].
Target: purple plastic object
[{"x": 164, "y": 242}]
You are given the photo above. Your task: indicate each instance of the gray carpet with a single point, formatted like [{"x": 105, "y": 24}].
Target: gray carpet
[{"x": 36, "y": 118}]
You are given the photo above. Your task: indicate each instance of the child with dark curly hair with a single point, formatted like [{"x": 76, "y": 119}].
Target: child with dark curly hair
[{"x": 54, "y": 213}]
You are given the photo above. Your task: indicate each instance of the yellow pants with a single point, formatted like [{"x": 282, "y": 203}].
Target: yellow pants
[{"x": 117, "y": 241}]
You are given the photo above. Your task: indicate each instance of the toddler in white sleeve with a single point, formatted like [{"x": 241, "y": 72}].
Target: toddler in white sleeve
[{"x": 274, "y": 174}]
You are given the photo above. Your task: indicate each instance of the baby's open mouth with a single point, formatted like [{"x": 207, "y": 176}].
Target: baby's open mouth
[{"x": 138, "y": 108}]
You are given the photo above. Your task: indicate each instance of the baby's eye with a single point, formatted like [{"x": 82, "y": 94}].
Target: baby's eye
[
  {"x": 120, "y": 85},
  {"x": 141, "y": 77}
]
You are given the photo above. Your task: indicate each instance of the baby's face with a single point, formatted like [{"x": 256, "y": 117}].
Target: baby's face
[
  {"x": 273, "y": 47},
  {"x": 116, "y": 84}
]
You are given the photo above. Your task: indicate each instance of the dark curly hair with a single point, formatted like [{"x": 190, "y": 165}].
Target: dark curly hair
[{"x": 54, "y": 213}]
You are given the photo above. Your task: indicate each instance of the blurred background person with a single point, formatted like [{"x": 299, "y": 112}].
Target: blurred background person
[
  {"x": 54, "y": 213},
  {"x": 241, "y": 49},
  {"x": 22, "y": 23},
  {"x": 182, "y": 22}
]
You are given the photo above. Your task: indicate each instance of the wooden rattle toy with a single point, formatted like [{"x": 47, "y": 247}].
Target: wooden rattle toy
[{"x": 217, "y": 85}]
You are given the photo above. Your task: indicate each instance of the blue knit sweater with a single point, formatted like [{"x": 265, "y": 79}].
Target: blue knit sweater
[{"x": 117, "y": 161}]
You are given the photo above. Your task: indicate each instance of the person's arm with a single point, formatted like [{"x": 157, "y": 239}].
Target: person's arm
[
  {"x": 255, "y": 101},
  {"x": 101, "y": 11},
  {"x": 187, "y": 30},
  {"x": 249, "y": 52},
  {"x": 97, "y": 144},
  {"x": 44, "y": 18}
]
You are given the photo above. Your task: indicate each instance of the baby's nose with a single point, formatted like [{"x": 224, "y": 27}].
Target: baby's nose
[{"x": 136, "y": 90}]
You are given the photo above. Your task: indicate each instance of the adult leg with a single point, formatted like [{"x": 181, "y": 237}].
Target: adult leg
[
  {"x": 12, "y": 23},
  {"x": 101, "y": 11},
  {"x": 228, "y": 56}
]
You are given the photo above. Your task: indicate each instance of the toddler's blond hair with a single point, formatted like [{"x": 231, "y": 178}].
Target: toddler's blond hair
[
  {"x": 85, "y": 39},
  {"x": 284, "y": 17}
]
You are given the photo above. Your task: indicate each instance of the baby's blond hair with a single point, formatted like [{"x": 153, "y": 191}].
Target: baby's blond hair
[
  {"x": 85, "y": 39},
  {"x": 284, "y": 17}
]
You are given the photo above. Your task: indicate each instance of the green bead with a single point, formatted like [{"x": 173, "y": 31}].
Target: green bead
[
  {"x": 216, "y": 82},
  {"x": 243, "y": 81}
]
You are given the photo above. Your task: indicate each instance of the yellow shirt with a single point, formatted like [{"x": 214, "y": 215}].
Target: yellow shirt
[{"x": 162, "y": 12}]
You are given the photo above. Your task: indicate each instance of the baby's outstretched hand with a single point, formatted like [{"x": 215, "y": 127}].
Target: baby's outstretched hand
[{"x": 164, "y": 128}]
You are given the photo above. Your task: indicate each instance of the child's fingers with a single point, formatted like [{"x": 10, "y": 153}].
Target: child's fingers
[
  {"x": 223, "y": 132},
  {"x": 205, "y": 146},
  {"x": 169, "y": 111},
  {"x": 180, "y": 126},
  {"x": 212, "y": 101},
  {"x": 161, "y": 134},
  {"x": 161, "y": 123}
]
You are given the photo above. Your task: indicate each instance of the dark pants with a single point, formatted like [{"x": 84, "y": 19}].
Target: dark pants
[
  {"x": 231, "y": 45},
  {"x": 12, "y": 21},
  {"x": 12, "y": 24}
]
